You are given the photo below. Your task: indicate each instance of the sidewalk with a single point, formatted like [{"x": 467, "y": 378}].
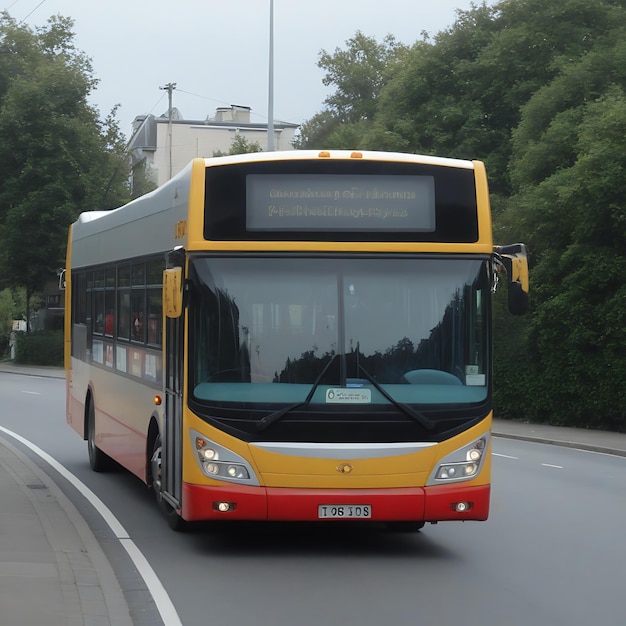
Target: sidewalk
[
  {"x": 52, "y": 568},
  {"x": 580, "y": 438}
]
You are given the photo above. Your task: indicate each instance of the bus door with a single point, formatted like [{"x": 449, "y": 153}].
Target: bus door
[{"x": 171, "y": 467}]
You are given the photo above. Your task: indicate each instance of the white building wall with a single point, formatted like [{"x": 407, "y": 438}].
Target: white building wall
[{"x": 192, "y": 139}]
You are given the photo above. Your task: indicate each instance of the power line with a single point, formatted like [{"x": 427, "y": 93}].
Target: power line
[
  {"x": 222, "y": 102},
  {"x": 25, "y": 18}
]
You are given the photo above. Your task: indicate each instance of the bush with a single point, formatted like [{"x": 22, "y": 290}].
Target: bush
[{"x": 39, "y": 348}]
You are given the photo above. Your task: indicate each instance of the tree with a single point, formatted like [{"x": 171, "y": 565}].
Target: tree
[
  {"x": 575, "y": 216},
  {"x": 358, "y": 74},
  {"x": 462, "y": 96},
  {"x": 239, "y": 145},
  {"x": 537, "y": 90},
  {"x": 57, "y": 156}
]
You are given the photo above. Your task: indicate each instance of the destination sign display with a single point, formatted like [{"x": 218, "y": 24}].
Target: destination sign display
[{"x": 315, "y": 202}]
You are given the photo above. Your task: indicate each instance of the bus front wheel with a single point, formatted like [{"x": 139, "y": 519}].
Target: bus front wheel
[
  {"x": 174, "y": 521},
  {"x": 405, "y": 527}
]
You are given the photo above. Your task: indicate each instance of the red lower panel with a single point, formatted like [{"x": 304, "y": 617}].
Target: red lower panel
[
  {"x": 286, "y": 504},
  {"x": 386, "y": 504},
  {"x": 198, "y": 502},
  {"x": 442, "y": 499}
]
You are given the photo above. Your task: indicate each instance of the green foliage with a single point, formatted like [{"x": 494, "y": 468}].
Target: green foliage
[
  {"x": 56, "y": 156},
  {"x": 576, "y": 220},
  {"x": 358, "y": 74},
  {"x": 40, "y": 348},
  {"x": 239, "y": 145},
  {"x": 12, "y": 307},
  {"x": 142, "y": 182},
  {"x": 537, "y": 90}
]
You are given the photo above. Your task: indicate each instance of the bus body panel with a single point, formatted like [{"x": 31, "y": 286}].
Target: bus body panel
[
  {"x": 123, "y": 409},
  {"x": 417, "y": 504},
  {"x": 391, "y": 485},
  {"x": 144, "y": 226},
  {"x": 292, "y": 484},
  {"x": 284, "y": 470},
  {"x": 298, "y": 471}
]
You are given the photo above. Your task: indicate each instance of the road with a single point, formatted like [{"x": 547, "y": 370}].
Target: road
[{"x": 552, "y": 553}]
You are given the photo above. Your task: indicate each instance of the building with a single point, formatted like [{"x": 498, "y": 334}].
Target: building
[{"x": 161, "y": 147}]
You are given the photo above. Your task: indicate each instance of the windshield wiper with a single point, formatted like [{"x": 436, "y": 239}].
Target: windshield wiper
[
  {"x": 268, "y": 420},
  {"x": 416, "y": 416}
]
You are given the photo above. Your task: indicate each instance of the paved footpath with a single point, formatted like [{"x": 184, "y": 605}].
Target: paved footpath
[
  {"x": 52, "y": 568},
  {"x": 581, "y": 438}
]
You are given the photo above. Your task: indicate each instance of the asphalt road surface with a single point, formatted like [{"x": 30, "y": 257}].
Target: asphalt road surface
[{"x": 551, "y": 554}]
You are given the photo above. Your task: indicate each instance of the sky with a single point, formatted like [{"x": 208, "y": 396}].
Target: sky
[{"x": 217, "y": 52}]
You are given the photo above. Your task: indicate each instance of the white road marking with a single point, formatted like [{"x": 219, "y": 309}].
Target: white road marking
[
  {"x": 155, "y": 587},
  {"x": 505, "y": 456},
  {"x": 549, "y": 465},
  {"x": 32, "y": 393}
]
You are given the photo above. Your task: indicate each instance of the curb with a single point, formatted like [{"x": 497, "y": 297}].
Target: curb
[
  {"x": 577, "y": 445},
  {"x": 90, "y": 589}
]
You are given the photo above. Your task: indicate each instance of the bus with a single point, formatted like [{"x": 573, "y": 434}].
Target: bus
[{"x": 299, "y": 336}]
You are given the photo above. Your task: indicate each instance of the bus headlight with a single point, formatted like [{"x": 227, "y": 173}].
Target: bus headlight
[
  {"x": 220, "y": 463},
  {"x": 456, "y": 470},
  {"x": 219, "y": 469},
  {"x": 462, "y": 464},
  {"x": 209, "y": 454}
]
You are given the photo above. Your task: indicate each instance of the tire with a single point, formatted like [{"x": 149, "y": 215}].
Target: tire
[
  {"x": 405, "y": 527},
  {"x": 174, "y": 520},
  {"x": 98, "y": 460}
]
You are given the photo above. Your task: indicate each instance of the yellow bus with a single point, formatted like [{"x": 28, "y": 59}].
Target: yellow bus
[{"x": 293, "y": 336}]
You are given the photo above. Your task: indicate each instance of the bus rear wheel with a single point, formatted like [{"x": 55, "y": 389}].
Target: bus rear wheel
[
  {"x": 98, "y": 460},
  {"x": 174, "y": 521}
]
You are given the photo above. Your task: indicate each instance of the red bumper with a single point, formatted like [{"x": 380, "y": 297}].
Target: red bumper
[{"x": 430, "y": 504}]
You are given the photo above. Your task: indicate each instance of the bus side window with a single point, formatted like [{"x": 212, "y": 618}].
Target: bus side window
[
  {"x": 155, "y": 312},
  {"x": 98, "y": 312},
  {"x": 109, "y": 323},
  {"x": 137, "y": 307}
]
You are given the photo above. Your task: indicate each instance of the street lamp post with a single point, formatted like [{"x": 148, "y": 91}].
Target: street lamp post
[{"x": 270, "y": 104}]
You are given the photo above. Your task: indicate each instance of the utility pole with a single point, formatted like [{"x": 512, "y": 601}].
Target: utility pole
[
  {"x": 169, "y": 88},
  {"x": 270, "y": 105}
]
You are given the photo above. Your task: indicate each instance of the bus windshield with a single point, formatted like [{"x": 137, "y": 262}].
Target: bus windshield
[{"x": 347, "y": 330}]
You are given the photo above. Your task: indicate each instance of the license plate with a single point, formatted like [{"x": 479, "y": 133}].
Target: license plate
[{"x": 344, "y": 511}]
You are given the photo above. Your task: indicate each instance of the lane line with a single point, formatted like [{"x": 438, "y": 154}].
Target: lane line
[
  {"x": 554, "y": 466},
  {"x": 506, "y": 456},
  {"x": 32, "y": 393},
  {"x": 155, "y": 587}
]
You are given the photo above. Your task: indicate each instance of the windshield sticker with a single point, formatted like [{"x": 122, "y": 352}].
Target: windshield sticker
[
  {"x": 475, "y": 380},
  {"x": 339, "y": 395}
]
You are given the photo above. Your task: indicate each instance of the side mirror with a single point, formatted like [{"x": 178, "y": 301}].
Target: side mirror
[
  {"x": 173, "y": 292},
  {"x": 515, "y": 261}
]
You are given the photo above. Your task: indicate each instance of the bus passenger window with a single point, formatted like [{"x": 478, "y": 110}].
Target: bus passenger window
[
  {"x": 137, "y": 321},
  {"x": 155, "y": 312},
  {"x": 108, "y": 323},
  {"x": 98, "y": 309},
  {"x": 109, "y": 318},
  {"x": 123, "y": 317}
]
